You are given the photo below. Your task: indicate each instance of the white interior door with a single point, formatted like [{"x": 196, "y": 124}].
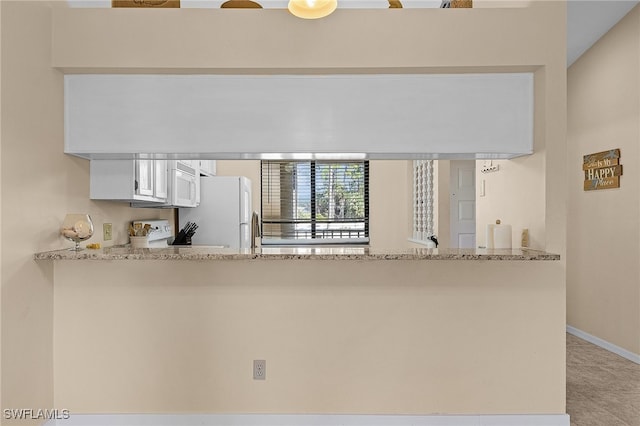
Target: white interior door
[{"x": 463, "y": 203}]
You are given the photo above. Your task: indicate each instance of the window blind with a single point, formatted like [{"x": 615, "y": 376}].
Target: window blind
[{"x": 315, "y": 202}]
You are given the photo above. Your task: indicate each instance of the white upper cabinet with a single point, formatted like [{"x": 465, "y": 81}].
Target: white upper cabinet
[
  {"x": 129, "y": 180},
  {"x": 266, "y": 116},
  {"x": 208, "y": 167}
]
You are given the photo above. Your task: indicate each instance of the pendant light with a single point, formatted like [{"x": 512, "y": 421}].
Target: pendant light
[
  {"x": 240, "y": 4},
  {"x": 312, "y": 9}
]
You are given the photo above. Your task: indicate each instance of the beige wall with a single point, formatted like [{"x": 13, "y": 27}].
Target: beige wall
[
  {"x": 0, "y": 205},
  {"x": 512, "y": 194},
  {"x": 382, "y": 337},
  {"x": 389, "y": 198},
  {"x": 411, "y": 42},
  {"x": 39, "y": 186},
  {"x": 603, "y": 281},
  {"x": 390, "y": 206},
  {"x": 84, "y": 39}
]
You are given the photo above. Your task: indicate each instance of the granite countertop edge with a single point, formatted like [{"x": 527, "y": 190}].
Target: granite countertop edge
[{"x": 288, "y": 253}]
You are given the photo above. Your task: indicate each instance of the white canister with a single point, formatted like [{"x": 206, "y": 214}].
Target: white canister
[
  {"x": 502, "y": 236},
  {"x": 139, "y": 242},
  {"x": 498, "y": 236}
]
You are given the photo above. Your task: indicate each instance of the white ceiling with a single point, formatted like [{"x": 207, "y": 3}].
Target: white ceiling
[{"x": 587, "y": 20}]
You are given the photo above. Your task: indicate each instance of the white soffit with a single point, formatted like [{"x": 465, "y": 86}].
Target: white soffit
[{"x": 226, "y": 116}]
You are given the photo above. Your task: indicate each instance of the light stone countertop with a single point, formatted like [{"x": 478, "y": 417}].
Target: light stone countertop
[{"x": 204, "y": 253}]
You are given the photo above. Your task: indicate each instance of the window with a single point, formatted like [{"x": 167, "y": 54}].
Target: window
[
  {"x": 422, "y": 200},
  {"x": 315, "y": 202}
]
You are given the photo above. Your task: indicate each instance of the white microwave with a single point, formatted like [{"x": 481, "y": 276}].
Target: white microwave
[{"x": 184, "y": 184}]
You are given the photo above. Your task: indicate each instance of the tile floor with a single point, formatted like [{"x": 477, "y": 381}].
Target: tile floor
[{"x": 603, "y": 389}]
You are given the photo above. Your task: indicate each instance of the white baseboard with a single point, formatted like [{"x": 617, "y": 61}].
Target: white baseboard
[
  {"x": 604, "y": 344},
  {"x": 308, "y": 420}
]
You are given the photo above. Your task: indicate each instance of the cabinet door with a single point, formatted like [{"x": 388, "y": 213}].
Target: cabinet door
[
  {"x": 161, "y": 179},
  {"x": 144, "y": 177},
  {"x": 208, "y": 167}
]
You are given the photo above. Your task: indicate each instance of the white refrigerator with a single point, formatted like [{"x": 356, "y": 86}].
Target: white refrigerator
[{"x": 224, "y": 213}]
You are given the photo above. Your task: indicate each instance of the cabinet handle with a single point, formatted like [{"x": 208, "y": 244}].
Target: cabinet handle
[{"x": 135, "y": 185}]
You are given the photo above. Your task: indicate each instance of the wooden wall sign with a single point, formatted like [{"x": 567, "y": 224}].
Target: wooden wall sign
[
  {"x": 145, "y": 3},
  {"x": 602, "y": 170}
]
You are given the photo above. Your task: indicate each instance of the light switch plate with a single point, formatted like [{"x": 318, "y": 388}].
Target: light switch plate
[{"x": 107, "y": 231}]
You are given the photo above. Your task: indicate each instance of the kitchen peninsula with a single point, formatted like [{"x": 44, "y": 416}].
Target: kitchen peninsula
[
  {"x": 416, "y": 331},
  {"x": 293, "y": 253}
]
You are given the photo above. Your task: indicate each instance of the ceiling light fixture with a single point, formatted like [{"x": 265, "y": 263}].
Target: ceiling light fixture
[
  {"x": 240, "y": 4},
  {"x": 312, "y": 9}
]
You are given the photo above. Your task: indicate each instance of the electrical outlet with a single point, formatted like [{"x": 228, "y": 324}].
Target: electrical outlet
[
  {"x": 489, "y": 169},
  {"x": 107, "y": 231},
  {"x": 259, "y": 369}
]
